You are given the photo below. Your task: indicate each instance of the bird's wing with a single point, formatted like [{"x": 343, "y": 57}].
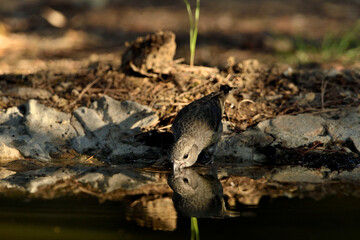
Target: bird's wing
[{"x": 208, "y": 110}]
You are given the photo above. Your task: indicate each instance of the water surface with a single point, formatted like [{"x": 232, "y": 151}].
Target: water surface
[{"x": 197, "y": 194}]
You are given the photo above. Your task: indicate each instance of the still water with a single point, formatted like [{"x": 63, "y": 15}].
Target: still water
[{"x": 169, "y": 217}]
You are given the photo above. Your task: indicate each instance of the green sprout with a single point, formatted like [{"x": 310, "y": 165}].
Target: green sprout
[
  {"x": 345, "y": 46},
  {"x": 194, "y": 229},
  {"x": 193, "y": 27},
  {"x": 348, "y": 44}
]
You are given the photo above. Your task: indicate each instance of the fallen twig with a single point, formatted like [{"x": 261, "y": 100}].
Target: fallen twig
[
  {"x": 85, "y": 90},
  {"x": 323, "y": 87}
]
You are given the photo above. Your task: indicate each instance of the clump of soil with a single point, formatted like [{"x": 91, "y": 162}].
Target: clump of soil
[
  {"x": 334, "y": 161},
  {"x": 149, "y": 55},
  {"x": 313, "y": 158}
]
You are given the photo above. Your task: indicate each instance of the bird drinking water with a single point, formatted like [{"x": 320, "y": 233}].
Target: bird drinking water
[{"x": 198, "y": 127}]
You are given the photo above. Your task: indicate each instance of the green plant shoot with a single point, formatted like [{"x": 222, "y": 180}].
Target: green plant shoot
[
  {"x": 332, "y": 46},
  {"x": 194, "y": 229},
  {"x": 193, "y": 27}
]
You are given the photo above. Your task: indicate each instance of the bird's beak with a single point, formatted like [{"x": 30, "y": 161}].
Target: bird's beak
[{"x": 177, "y": 167}]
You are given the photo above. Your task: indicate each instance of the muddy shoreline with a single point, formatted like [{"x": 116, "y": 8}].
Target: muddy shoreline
[{"x": 293, "y": 121}]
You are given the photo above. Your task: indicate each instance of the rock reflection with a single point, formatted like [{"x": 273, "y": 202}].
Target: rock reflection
[
  {"x": 157, "y": 214},
  {"x": 197, "y": 194}
]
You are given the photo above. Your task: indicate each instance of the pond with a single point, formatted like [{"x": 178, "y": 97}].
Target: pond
[{"x": 202, "y": 196}]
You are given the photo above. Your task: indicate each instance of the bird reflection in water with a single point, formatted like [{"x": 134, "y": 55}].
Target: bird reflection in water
[{"x": 197, "y": 194}]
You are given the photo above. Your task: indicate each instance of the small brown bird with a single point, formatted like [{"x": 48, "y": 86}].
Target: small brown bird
[{"x": 198, "y": 127}]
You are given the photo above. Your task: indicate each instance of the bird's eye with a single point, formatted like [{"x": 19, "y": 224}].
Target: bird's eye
[
  {"x": 186, "y": 180},
  {"x": 186, "y": 156}
]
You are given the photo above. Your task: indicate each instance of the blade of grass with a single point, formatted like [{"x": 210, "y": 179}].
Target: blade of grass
[
  {"x": 350, "y": 37},
  {"x": 195, "y": 32},
  {"x": 332, "y": 46},
  {"x": 188, "y": 8},
  {"x": 193, "y": 27},
  {"x": 194, "y": 229}
]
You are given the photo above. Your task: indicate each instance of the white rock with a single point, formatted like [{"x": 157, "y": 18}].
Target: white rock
[
  {"x": 295, "y": 131},
  {"x": 41, "y": 181},
  {"x": 241, "y": 147},
  {"x": 8, "y": 184},
  {"x": 97, "y": 180},
  {"x": 50, "y": 179},
  {"x": 126, "y": 114},
  {"x": 12, "y": 127},
  {"x": 347, "y": 127},
  {"x": 124, "y": 151},
  {"x": 32, "y": 148},
  {"x": 122, "y": 181},
  {"x": 4, "y": 173},
  {"x": 48, "y": 124},
  {"x": 84, "y": 143},
  {"x": 89, "y": 119},
  {"x": 8, "y": 154},
  {"x": 108, "y": 123},
  {"x": 11, "y": 117}
]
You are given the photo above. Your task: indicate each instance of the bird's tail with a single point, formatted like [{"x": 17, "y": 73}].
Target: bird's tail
[
  {"x": 225, "y": 89},
  {"x": 224, "y": 92}
]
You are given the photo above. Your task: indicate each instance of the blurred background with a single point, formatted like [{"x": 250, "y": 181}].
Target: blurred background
[{"x": 42, "y": 34}]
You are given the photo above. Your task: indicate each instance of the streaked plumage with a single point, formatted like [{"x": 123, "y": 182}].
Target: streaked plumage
[{"x": 197, "y": 126}]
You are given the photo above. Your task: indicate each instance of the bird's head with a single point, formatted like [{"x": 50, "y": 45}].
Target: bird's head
[{"x": 183, "y": 153}]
